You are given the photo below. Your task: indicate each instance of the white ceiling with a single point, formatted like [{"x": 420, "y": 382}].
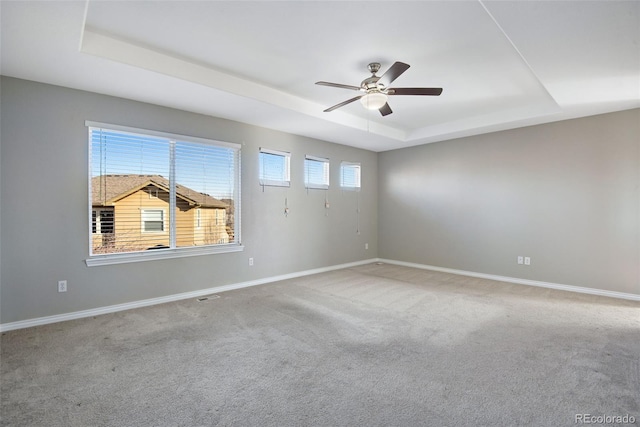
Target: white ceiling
[{"x": 502, "y": 64}]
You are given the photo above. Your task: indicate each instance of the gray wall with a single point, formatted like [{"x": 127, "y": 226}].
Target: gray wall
[
  {"x": 44, "y": 202},
  {"x": 564, "y": 194}
]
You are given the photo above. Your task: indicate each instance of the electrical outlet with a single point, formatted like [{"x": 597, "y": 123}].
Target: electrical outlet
[
  {"x": 520, "y": 260},
  {"x": 62, "y": 286},
  {"x": 366, "y": 246},
  {"x": 250, "y": 261},
  {"x": 527, "y": 260}
]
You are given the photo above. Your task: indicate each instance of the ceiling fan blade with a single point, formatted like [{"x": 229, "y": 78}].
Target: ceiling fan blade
[
  {"x": 338, "y": 85},
  {"x": 342, "y": 104},
  {"x": 435, "y": 91},
  {"x": 393, "y": 73},
  {"x": 385, "y": 110}
]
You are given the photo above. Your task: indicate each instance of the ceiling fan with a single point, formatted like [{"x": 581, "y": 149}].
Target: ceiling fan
[{"x": 376, "y": 89}]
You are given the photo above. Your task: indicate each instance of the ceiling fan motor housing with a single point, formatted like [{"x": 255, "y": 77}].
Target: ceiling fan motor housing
[{"x": 371, "y": 83}]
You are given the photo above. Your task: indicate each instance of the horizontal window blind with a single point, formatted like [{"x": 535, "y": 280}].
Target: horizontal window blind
[
  {"x": 275, "y": 167},
  {"x": 153, "y": 220},
  {"x": 153, "y": 192},
  {"x": 350, "y": 175},
  {"x": 316, "y": 172}
]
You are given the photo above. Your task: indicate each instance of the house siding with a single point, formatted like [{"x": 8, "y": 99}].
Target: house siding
[{"x": 129, "y": 234}]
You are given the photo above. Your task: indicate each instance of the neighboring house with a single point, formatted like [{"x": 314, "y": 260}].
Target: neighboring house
[
  {"x": 230, "y": 218},
  {"x": 130, "y": 213}
]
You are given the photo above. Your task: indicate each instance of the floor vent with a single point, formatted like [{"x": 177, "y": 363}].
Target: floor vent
[{"x": 208, "y": 297}]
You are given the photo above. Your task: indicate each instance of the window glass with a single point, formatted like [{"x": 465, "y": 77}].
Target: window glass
[
  {"x": 316, "y": 172},
  {"x": 151, "y": 191},
  {"x": 350, "y": 175},
  {"x": 274, "y": 167},
  {"x": 152, "y": 220}
]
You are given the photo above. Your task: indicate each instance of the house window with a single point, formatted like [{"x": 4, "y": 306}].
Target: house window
[
  {"x": 152, "y": 220},
  {"x": 350, "y": 176},
  {"x": 147, "y": 187},
  {"x": 316, "y": 172},
  {"x": 102, "y": 221},
  {"x": 275, "y": 167},
  {"x": 153, "y": 192}
]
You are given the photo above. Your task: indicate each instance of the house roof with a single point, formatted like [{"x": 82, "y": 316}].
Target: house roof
[{"x": 108, "y": 189}]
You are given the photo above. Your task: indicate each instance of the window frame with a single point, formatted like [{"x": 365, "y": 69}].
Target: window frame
[
  {"x": 96, "y": 222},
  {"x": 173, "y": 252},
  {"x": 198, "y": 224},
  {"x": 153, "y": 192},
  {"x": 143, "y": 221},
  {"x": 351, "y": 165},
  {"x": 286, "y": 179},
  {"x": 326, "y": 165}
]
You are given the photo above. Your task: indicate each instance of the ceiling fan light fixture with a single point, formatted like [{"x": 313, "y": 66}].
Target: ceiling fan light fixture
[{"x": 374, "y": 100}]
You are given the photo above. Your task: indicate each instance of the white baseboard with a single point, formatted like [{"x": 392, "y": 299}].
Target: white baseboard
[
  {"x": 4, "y": 327},
  {"x": 21, "y": 324},
  {"x": 557, "y": 286}
]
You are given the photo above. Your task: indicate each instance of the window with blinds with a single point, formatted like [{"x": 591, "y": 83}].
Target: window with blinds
[
  {"x": 275, "y": 168},
  {"x": 350, "y": 176},
  {"x": 316, "y": 172},
  {"x": 151, "y": 190}
]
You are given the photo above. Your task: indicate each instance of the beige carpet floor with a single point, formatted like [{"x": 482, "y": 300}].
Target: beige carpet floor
[{"x": 376, "y": 345}]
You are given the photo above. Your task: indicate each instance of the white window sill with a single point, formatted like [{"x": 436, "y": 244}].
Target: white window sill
[
  {"x": 158, "y": 254},
  {"x": 274, "y": 183},
  {"x": 317, "y": 186}
]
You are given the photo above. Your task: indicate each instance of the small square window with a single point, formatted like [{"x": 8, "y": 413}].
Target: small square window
[
  {"x": 153, "y": 192},
  {"x": 152, "y": 220},
  {"x": 350, "y": 176},
  {"x": 316, "y": 172},
  {"x": 275, "y": 168}
]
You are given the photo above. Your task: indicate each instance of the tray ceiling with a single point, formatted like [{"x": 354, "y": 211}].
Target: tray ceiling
[{"x": 502, "y": 64}]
